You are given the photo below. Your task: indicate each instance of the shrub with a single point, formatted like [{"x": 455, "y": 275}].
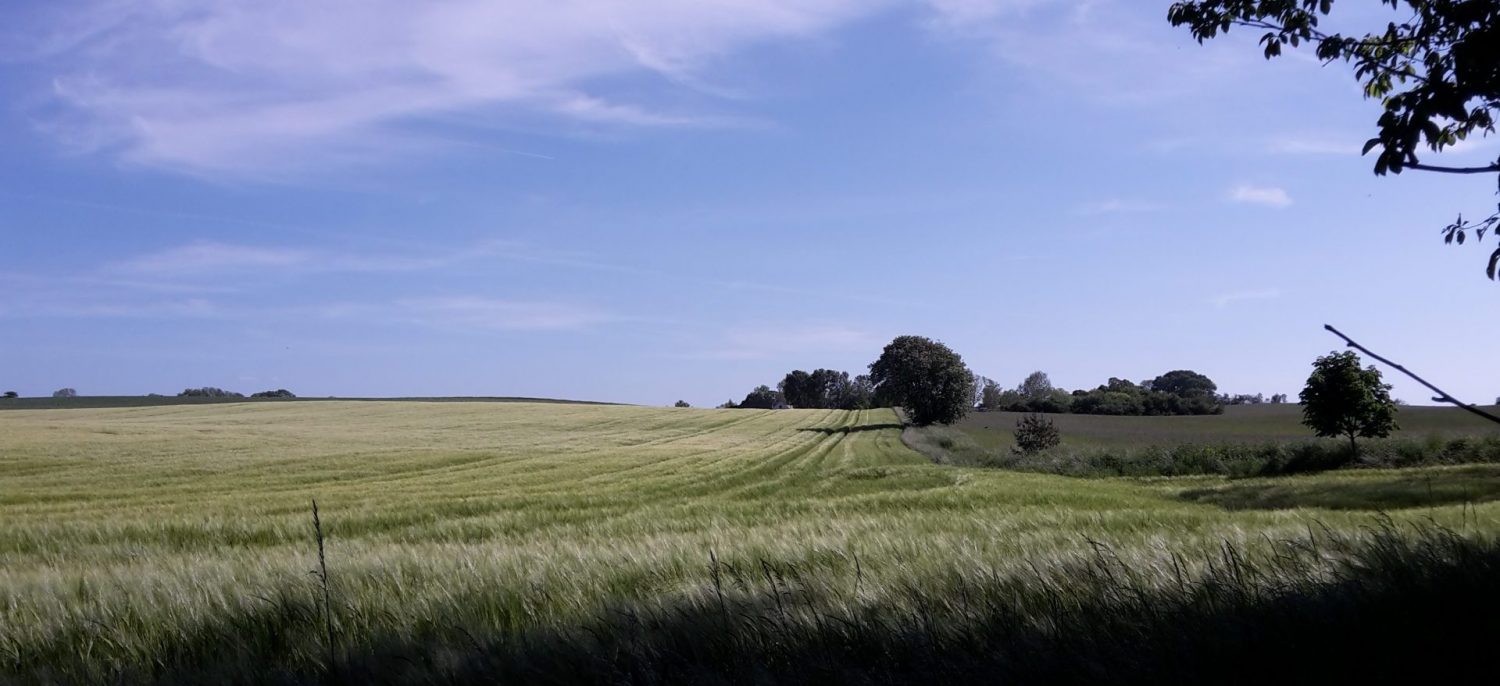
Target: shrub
[
  {"x": 1035, "y": 433},
  {"x": 65, "y": 393},
  {"x": 681, "y": 403}
]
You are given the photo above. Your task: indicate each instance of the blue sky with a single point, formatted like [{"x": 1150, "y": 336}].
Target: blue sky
[{"x": 652, "y": 200}]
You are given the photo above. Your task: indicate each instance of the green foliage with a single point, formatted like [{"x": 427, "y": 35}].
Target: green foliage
[
  {"x": 824, "y": 389},
  {"x": 926, "y": 378},
  {"x": 12, "y": 394},
  {"x": 798, "y": 391},
  {"x": 1035, "y": 433},
  {"x": 990, "y": 395},
  {"x": 1341, "y": 399},
  {"x": 681, "y": 403},
  {"x": 208, "y": 392},
  {"x": 857, "y": 393},
  {"x": 1435, "y": 70},
  {"x": 65, "y": 393},
  {"x": 1235, "y": 460},
  {"x": 1184, "y": 383},
  {"x": 762, "y": 398},
  {"x": 278, "y": 393},
  {"x": 1036, "y": 386},
  {"x": 1116, "y": 402},
  {"x": 1180, "y": 392}
]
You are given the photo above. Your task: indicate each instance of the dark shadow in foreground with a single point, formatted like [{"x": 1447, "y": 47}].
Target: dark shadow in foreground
[{"x": 1389, "y": 606}]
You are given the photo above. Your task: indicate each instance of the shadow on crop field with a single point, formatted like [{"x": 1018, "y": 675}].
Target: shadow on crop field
[
  {"x": 852, "y": 429},
  {"x": 1356, "y": 491},
  {"x": 1386, "y": 606}
]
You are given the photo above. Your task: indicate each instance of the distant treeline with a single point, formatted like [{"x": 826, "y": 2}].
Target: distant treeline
[
  {"x": 826, "y": 389},
  {"x": 1178, "y": 392},
  {"x": 212, "y": 392}
]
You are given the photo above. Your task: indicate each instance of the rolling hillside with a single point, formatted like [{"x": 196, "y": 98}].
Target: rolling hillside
[{"x": 178, "y": 539}]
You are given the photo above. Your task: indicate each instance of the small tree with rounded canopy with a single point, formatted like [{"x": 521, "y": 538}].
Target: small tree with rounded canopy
[
  {"x": 926, "y": 378},
  {"x": 1185, "y": 383},
  {"x": 65, "y": 393},
  {"x": 1341, "y": 399},
  {"x": 681, "y": 403}
]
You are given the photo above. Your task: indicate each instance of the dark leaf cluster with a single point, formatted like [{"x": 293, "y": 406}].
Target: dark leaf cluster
[
  {"x": 278, "y": 393},
  {"x": 925, "y": 378},
  {"x": 1178, "y": 392},
  {"x": 1342, "y": 399},
  {"x": 208, "y": 392},
  {"x": 1035, "y": 433},
  {"x": 1435, "y": 71}
]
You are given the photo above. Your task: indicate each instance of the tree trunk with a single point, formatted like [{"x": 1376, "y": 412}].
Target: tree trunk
[{"x": 1353, "y": 447}]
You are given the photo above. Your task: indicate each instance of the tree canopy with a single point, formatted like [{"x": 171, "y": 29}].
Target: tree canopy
[
  {"x": 208, "y": 392},
  {"x": 821, "y": 389},
  {"x": 1185, "y": 383},
  {"x": 278, "y": 393},
  {"x": 924, "y": 377},
  {"x": 762, "y": 398},
  {"x": 1341, "y": 399},
  {"x": 1435, "y": 70}
]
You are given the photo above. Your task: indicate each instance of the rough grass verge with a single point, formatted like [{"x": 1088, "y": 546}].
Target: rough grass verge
[{"x": 946, "y": 445}]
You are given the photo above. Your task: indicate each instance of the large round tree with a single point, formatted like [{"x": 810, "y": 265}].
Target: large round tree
[
  {"x": 1342, "y": 399},
  {"x": 925, "y": 378}
]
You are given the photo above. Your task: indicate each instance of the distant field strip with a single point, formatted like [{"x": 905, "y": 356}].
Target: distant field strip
[{"x": 135, "y": 531}]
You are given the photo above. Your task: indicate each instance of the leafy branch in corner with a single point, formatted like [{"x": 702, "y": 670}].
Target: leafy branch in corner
[{"x": 1436, "y": 73}]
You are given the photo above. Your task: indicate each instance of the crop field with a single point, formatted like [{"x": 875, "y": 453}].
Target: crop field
[{"x": 175, "y": 543}]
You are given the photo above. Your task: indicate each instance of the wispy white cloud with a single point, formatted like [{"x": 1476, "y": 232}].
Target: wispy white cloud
[
  {"x": 1113, "y": 51},
  {"x": 1269, "y": 196},
  {"x": 493, "y": 314},
  {"x": 94, "y": 308},
  {"x": 1226, "y": 299},
  {"x": 1477, "y": 144},
  {"x": 1120, "y": 206},
  {"x": 1316, "y": 145},
  {"x": 222, "y": 260},
  {"x": 772, "y": 341},
  {"x": 261, "y": 86},
  {"x": 211, "y": 258}
]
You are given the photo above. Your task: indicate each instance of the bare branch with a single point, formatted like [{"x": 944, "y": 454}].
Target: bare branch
[
  {"x": 1492, "y": 169},
  {"x": 1442, "y": 396}
]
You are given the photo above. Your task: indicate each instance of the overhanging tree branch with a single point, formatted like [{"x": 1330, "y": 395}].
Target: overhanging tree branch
[
  {"x": 1492, "y": 169},
  {"x": 1442, "y": 396}
]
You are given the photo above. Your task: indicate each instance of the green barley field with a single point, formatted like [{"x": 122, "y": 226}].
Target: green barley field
[{"x": 492, "y": 541}]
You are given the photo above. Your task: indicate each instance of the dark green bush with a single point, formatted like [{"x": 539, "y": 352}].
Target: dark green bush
[
  {"x": 1269, "y": 459},
  {"x": 1035, "y": 433}
]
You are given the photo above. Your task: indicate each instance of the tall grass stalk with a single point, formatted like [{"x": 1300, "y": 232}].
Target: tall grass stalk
[{"x": 327, "y": 596}]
